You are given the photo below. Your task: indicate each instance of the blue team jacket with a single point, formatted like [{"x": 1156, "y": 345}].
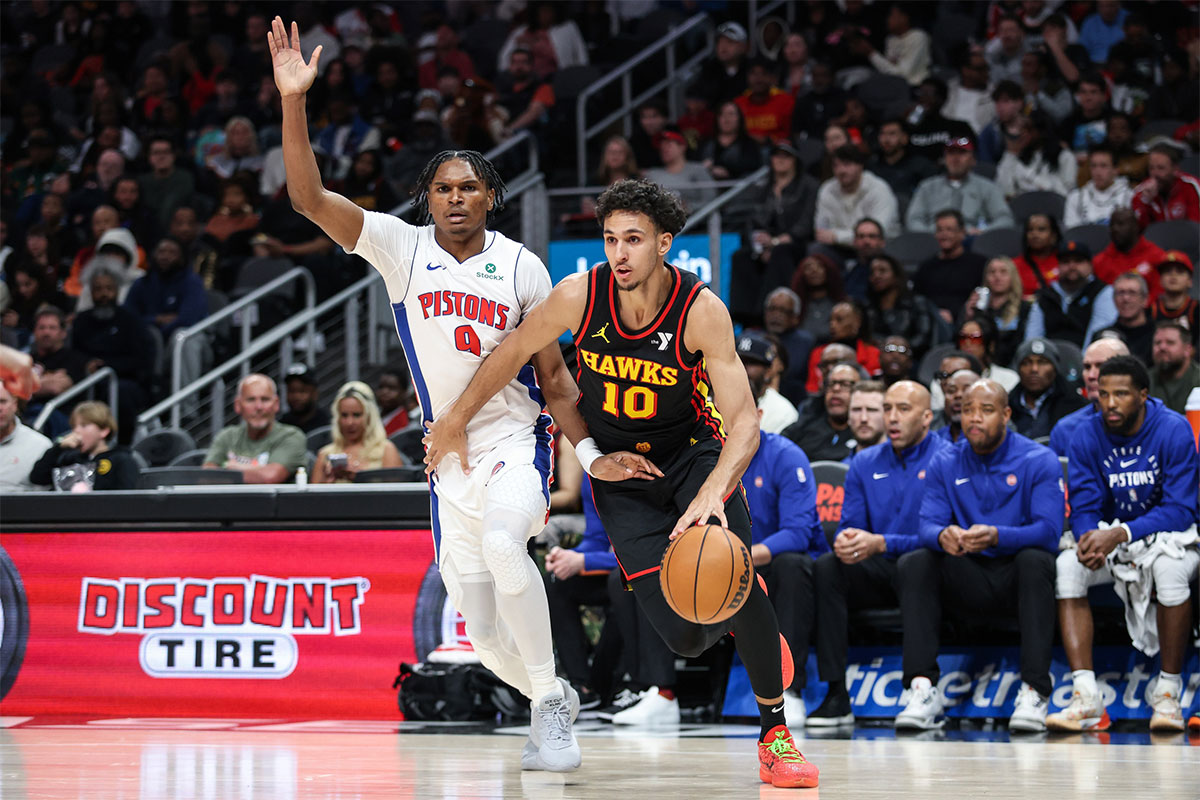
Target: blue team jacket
[
  {"x": 782, "y": 495},
  {"x": 1147, "y": 480},
  {"x": 596, "y": 549},
  {"x": 1064, "y": 430},
  {"x": 884, "y": 491},
  {"x": 1018, "y": 488}
]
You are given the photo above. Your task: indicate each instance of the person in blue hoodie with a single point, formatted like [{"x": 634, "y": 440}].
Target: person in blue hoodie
[
  {"x": 883, "y": 492},
  {"x": 989, "y": 528},
  {"x": 1134, "y": 462},
  {"x": 1095, "y": 355}
]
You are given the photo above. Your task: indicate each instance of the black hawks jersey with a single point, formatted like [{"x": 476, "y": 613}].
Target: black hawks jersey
[{"x": 642, "y": 390}]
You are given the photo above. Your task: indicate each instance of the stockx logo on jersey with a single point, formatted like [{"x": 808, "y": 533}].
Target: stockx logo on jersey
[
  {"x": 489, "y": 272},
  {"x": 1134, "y": 478}
]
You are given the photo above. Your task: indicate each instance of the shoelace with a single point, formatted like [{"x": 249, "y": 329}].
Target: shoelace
[
  {"x": 783, "y": 748},
  {"x": 625, "y": 699},
  {"x": 556, "y": 721}
]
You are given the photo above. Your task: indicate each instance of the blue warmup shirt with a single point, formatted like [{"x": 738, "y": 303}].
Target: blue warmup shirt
[
  {"x": 884, "y": 491},
  {"x": 1018, "y": 488},
  {"x": 1064, "y": 430},
  {"x": 1147, "y": 480},
  {"x": 596, "y": 549},
  {"x": 782, "y": 494}
]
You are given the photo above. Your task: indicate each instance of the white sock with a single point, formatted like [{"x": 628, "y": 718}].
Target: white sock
[
  {"x": 920, "y": 683},
  {"x": 545, "y": 683},
  {"x": 1167, "y": 681},
  {"x": 1085, "y": 682}
]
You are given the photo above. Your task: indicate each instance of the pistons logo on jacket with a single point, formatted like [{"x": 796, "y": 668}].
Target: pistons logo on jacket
[{"x": 1134, "y": 479}]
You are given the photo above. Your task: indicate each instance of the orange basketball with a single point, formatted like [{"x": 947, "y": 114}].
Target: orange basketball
[{"x": 706, "y": 574}]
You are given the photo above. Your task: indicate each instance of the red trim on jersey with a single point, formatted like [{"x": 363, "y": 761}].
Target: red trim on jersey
[
  {"x": 650, "y": 571},
  {"x": 687, "y": 307},
  {"x": 653, "y": 326},
  {"x": 591, "y": 304}
]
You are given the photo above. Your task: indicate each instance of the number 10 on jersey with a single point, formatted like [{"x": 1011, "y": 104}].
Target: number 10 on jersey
[{"x": 636, "y": 402}]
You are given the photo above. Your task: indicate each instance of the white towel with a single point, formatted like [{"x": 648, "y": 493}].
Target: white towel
[{"x": 1134, "y": 583}]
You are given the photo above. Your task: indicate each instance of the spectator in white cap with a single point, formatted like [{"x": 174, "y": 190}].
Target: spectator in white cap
[
  {"x": 723, "y": 74},
  {"x": 760, "y": 358}
]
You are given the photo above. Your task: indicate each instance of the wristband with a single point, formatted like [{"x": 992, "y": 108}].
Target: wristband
[{"x": 587, "y": 452}]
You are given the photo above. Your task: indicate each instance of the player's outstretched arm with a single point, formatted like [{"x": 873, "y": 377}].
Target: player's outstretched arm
[
  {"x": 560, "y": 310},
  {"x": 710, "y": 331},
  {"x": 341, "y": 219}
]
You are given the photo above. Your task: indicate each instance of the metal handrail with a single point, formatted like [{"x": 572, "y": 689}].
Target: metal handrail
[
  {"x": 584, "y": 132},
  {"x": 518, "y": 139},
  {"x": 77, "y": 389},
  {"x": 263, "y": 342},
  {"x": 182, "y": 336},
  {"x": 711, "y": 211}
]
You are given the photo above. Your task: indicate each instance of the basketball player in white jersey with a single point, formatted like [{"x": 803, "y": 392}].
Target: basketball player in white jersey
[{"x": 457, "y": 289}]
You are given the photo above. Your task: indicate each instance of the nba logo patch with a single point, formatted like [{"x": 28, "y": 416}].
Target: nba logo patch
[
  {"x": 1011, "y": 480},
  {"x": 758, "y": 481},
  {"x": 800, "y": 476},
  {"x": 499, "y": 466},
  {"x": 921, "y": 475}
]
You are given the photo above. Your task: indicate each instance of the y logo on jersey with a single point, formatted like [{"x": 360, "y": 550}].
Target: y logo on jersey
[
  {"x": 600, "y": 334},
  {"x": 664, "y": 340}
]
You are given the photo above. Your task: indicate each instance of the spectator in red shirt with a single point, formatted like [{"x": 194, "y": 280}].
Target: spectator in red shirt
[
  {"x": 1167, "y": 193},
  {"x": 847, "y": 325},
  {"x": 1129, "y": 251},
  {"x": 445, "y": 54},
  {"x": 1176, "y": 302},
  {"x": 767, "y": 108},
  {"x": 1040, "y": 253}
]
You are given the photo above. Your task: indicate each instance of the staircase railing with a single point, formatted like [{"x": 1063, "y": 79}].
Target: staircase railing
[{"x": 78, "y": 389}]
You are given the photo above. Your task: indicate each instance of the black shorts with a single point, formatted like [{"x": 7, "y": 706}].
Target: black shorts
[{"x": 639, "y": 515}]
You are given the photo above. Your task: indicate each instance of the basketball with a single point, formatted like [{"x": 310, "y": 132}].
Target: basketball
[{"x": 706, "y": 574}]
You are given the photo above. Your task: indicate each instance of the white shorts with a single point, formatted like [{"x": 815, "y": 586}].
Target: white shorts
[{"x": 459, "y": 502}]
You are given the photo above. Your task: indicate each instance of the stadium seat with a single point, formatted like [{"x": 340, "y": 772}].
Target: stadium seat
[
  {"x": 1029, "y": 203},
  {"x": 811, "y": 151},
  {"x": 392, "y": 475},
  {"x": 1160, "y": 127},
  {"x": 950, "y": 31},
  {"x": 162, "y": 447},
  {"x": 408, "y": 442},
  {"x": 319, "y": 437},
  {"x": 1071, "y": 361},
  {"x": 998, "y": 242},
  {"x": 155, "y": 477},
  {"x": 882, "y": 94},
  {"x": 831, "y": 478},
  {"x": 932, "y": 359},
  {"x": 1096, "y": 237},
  {"x": 910, "y": 249},
  {"x": 1190, "y": 164},
  {"x": 985, "y": 169},
  {"x": 192, "y": 458},
  {"x": 1176, "y": 234}
]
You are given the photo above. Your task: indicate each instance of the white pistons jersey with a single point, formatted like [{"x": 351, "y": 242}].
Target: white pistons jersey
[{"x": 450, "y": 316}]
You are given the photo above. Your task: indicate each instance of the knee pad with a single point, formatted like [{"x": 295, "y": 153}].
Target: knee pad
[
  {"x": 1172, "y": 578},
  {"x": 508, "y": 562},
  {"x": 1070, "y": 577},
  {"x": 518, "y": 489}
]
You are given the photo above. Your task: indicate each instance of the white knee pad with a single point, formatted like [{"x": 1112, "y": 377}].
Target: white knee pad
[
  {"x": 508, "y": 562},
  {"x": 1172, "y": 577},
  {"x": 1071, "y": 579},
  {"x": 517, "y": 489}
]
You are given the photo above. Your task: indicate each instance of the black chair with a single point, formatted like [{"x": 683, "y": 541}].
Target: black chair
[
  {"x": 192, "y": 458},
  {"x": 931, "y": 361},
  {"x": 811, "y": 151},
  {"x": 1176, "y": 234},
  {"x": 155, "y": 477},
  {"x": 319, "y": 437},
  {"x": 882, "y": 92},
  {"x": 392, "y": 475},
  {"x": 162, "y": 447},
  {"x": 1159, "y": 127},
  {"x": 1071, "y": 361},
  {"x": 831, "y": 480},
  {"x": 408, "y": 442},
  {"x": 998, "y": 242},
  {"x": 985, "y": 169},
  {"x": 910, "y": 249},
  {"x": 1190, "y": 164},
  {"x": 1096, "y": 237},
  {"x": 1024, "y": 205}
]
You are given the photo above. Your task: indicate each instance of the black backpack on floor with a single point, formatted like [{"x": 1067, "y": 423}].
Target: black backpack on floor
[{"x": 456, "y": 693}]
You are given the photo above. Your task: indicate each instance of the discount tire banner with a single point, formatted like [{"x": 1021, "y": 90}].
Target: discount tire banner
[{"x": 307, "y": 624}]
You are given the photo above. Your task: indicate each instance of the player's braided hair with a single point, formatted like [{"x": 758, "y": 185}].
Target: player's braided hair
[
  {"x": 641, "y": 196},
  {"x": 483, "y": 169}
]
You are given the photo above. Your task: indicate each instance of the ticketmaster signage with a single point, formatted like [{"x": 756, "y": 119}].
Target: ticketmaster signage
[
  {"x": 690, "y": 252},
  {"x": 976, "y": 682}
]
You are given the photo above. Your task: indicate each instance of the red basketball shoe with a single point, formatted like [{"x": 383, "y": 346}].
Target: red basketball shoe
[{"x": 781, "y": 764}]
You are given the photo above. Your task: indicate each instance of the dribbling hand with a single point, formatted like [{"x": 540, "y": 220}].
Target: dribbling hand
[
  {"x": 292, "y": 75},
  {"x": 707, "y": 504}
]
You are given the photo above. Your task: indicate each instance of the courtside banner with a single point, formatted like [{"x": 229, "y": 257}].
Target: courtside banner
[
  {"x": 308, "y": 624},
  {"x": 976, "y": 682}
]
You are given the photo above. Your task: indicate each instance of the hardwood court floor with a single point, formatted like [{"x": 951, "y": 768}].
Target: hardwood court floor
[{"x": 258, "y": 760}]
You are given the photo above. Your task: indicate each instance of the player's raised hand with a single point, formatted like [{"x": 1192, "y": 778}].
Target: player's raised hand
[
  {"x": 292, "y": 75},
  {"x": 442, "y": 439},
  {"x": 623, "y": 465},
  {"x": 707, "y": 504}
]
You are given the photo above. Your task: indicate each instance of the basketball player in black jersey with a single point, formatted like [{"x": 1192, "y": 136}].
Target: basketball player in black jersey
[{"x": 658, "y": 375}]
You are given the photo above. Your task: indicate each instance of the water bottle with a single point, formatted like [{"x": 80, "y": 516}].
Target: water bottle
[
  {"x": 301, "y": 477},
  {"x": 1192, "y": 411}
]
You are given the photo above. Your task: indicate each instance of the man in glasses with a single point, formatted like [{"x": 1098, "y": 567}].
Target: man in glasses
[
  {"x": 1134, "y": 324},
  {"x": 823, "y": 431},
  {"x": 1094, "y": 357},
  {"x": 978, "y": 199},
  {"x": 896, "y": 359}
]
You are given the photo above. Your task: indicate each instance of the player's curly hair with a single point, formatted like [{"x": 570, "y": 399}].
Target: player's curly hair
[
  {"x": 483, "y": 168},
  {"x": 641, "y": 196}
]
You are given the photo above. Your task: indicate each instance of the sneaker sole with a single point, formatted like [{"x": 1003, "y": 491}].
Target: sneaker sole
[
  {"x": 765, "y": 776},
  {"x": 1100, "y": 723},
  {"x": 829, "y": 722},
  {"x": 1167, "y": 726},
  {"x": 917, "y": 725},
  {"x": 1026, "y": 726}
]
